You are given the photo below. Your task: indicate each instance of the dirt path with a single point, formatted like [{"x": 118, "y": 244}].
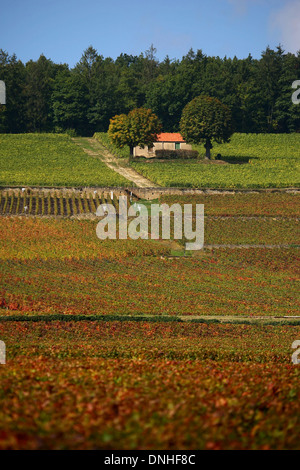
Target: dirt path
[{"x": 92, "y": 147}]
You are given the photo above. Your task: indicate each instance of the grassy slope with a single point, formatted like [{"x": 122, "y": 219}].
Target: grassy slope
[{"x": 51, "y": 160}]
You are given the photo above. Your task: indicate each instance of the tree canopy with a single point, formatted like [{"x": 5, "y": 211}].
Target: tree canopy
[
  {"x": 42, "y": 96},
  {"x": 206, "y": 119},
  {"x": 138, "y": 128}
]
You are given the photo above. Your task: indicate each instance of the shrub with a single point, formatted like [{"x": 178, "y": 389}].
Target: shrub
[
  {"x": 172, "y": 154},
  {"x": 69, "y": 132}
]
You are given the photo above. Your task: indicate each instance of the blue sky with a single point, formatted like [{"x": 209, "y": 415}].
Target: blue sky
[{"x": 63, "y": 29}]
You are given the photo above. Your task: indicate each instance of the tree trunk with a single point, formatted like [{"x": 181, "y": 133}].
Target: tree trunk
[
  {"x": 208, "y": 147},
  {"x": 131, "y": 153}
]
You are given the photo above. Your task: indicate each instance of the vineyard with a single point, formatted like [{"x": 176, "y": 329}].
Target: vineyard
[
  {"x": 115, "y": 344},
  {"x": 54, "y": 202},
  {"x": 137, "y": 344},
  {"x": 51, "y": 160},
  {"x": 68, "y": 271},
  {"x": 249, "y": 161},
  {"x": 116, "y": 385},
  {"x": 263, "y": 147}
]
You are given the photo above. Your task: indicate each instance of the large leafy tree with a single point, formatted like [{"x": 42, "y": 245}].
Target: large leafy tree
[
  {"x": 38, "y": 88},
  {"x": 268, "y": 74},
  {"x": 104, "y": 97},
  {"x": 167, "y": 97},
  {"x": 204, "y": 120},
  {"x": 139, "y": 127},
  {"x": 69, "y": 102}
]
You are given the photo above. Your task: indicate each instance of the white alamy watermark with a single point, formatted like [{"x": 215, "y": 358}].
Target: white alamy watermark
[
  {"x": 295, "y": 358},
  {"x": 153, "y": 223},
  {"x": 2, "y": 92},
  {"x": 2, "y": 353},
  {"x": 296, "y": 94}
]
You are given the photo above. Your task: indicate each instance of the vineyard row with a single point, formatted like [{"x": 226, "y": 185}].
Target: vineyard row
[{"x": 56, "y": 204}]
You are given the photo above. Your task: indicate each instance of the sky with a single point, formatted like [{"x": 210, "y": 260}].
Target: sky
[{"x": 63, "y": 29}]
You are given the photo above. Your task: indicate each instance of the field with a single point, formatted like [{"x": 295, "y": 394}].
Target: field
[
  {"x": 51, "y": 160},
  {"x": 263, "y": 147},
  {"x": 137, "y": 344},
  {"x": 249, "y": 161},
  {"x": 115, "y": 385},
  {"x": 57, "y": 265},
  {"x": 50, "y": 267}
]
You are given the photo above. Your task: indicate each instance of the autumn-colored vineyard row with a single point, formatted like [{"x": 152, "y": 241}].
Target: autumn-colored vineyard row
[
  {"x": 273, "y": 204},
  {"x": 151, "y": 340},
  {"x": 60, "y": 266},
  {"x": 149, "y": 386}
]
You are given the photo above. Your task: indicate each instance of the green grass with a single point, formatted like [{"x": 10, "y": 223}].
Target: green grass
[
  {"x": 103, "y": 138},
  {"x": 257, "y": 146},
  {"x": 51, "y": 160},
  {"x": 253, "y": 161},
  {"x": 268, "y": 161},
  {"x": 197, "y": 175}
]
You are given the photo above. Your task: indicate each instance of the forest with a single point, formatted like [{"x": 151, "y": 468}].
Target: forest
[{"x": 43, "y": 96}]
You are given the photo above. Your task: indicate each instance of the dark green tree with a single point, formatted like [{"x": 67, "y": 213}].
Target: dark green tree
[
  {"x": 268, "y": 73},
  {"x": 168, "y": 94},
  {"x": 206, "y": 119},
  {"x": 39, "y": 86},
  {"x": 105, "y": 100},
  {"x": 101, "y": 79},
  {"x": 69, "y": 103}
]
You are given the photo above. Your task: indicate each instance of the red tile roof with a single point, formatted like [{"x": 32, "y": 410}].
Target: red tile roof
[{"x": 170, "y": 137}]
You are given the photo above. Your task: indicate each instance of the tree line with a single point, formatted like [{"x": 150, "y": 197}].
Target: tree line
[{"x": 43, "y": 96}]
